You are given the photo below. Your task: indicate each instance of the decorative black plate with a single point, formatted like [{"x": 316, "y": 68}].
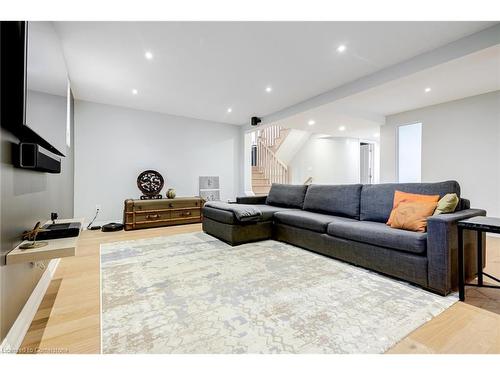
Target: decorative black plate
[{"x": 150, "y": 183}]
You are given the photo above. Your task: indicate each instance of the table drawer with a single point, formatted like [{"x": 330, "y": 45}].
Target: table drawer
[
  {"x": 152, "y": 216},
  {"x": 180, "y": 214},
  {"x": 183, "y": 204}
]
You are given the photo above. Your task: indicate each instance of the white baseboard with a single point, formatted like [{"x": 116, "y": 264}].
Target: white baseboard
[{"x": 15, "y": 337}]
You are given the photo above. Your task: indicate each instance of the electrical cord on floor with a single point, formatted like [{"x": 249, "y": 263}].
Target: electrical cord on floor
[{"x": 90, "y": 224}]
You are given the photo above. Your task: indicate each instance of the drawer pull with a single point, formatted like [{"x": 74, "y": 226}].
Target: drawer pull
[{"x": 153, "y": 216}]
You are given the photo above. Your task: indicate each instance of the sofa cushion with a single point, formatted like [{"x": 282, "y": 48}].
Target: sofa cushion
[
  {"x": 447, "y": 204},
  {"x": 242, "y": 212},
  {"x": 268, "y": 211},
  {"x": 377, "y": 200},
  {"x": 341, "y": 200},
  {"x": 380, "y": 234},
  {"x": 227, "y": 217},
  {"x": 401, "y": 196},
  {"x": 308, "y": 220},
  {"x": 412, "y": 215},
  {"x": 221, "y": 216},
  {"x": 284, "y": 195}
]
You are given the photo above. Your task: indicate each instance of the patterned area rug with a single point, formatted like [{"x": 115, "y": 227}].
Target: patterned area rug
[{"x": 192, "y": 293}]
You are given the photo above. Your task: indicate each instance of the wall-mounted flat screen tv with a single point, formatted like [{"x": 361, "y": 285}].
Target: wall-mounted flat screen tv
[
  {"x": 35, "y": 86},
  {"x": 47, "y": 85}
]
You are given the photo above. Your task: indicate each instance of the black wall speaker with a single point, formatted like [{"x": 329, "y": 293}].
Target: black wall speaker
[
  {"x": 255, "y": 121},
  {"x": 32, "y": 156}
]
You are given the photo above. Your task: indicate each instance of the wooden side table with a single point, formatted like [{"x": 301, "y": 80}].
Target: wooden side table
[{"x": 479, "y": 224}]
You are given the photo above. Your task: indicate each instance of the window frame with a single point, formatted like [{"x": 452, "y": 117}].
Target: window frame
[{"x": 397, "y": 146}]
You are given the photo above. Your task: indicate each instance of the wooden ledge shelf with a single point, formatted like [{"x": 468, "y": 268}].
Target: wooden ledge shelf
[{"x": 58, "y": 248}]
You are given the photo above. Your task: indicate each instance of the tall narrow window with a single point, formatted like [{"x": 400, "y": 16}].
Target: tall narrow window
[{"x": 410, "y": 153}]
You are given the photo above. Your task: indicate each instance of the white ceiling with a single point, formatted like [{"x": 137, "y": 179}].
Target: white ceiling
[
  {"x": 328, "y": 119},
  {"x": 473, "y": 74},
  {"x": 200, "y": 69},
  {"x": 363, "y": 113}
]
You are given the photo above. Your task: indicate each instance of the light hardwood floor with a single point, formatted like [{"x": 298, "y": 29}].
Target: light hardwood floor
[{"x": 68, "y": 320}]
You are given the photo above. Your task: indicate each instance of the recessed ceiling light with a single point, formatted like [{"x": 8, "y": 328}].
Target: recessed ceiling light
[
  {"x": 376, "y": 135},
  {"x": 148, "y": 55},
  {"x": 427, "y": 89},
  {"x": 342, "y": 128},
  {"x": 134, "y": 91},
  {"x": 311, "y": 122},
  {"x": 341, "y": 48},
  {"x": 229, "y": 110},
  {"x": 269, "y": 89}
]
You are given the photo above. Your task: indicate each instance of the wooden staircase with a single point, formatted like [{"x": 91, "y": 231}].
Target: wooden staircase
[
  {"x": 269, "y": 168},
  {"x": 279, "y": 139},
  {"x": 260, "y": 184}
]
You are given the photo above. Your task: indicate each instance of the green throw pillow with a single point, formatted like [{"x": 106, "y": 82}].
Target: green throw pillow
[{"x": 447, "y": 204}]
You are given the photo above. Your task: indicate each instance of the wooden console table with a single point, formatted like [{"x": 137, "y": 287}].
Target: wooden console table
[{"x": 142, "y": 213}]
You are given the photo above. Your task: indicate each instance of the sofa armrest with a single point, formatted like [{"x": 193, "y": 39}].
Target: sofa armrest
[
  {"x": 464, "y": 204},
  {"x": 252, "y": 199},
  {"x": 442, "y": 249},
  {"x": 456, "y": 216}
]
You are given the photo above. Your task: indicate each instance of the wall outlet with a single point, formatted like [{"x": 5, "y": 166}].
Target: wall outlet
[{"x": 98, "y": 207}]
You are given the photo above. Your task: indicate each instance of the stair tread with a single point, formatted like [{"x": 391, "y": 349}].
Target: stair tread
[{"x": 265, "y": 192}]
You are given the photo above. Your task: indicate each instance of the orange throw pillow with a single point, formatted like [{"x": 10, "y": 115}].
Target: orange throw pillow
[
  {"x": 400, "y": 196},
  {"x": 412, "y": 215}
]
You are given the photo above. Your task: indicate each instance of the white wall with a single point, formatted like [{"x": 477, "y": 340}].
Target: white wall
[
  {"x": 293, "y": 142},
  {"x": 28, "y": 196},
  {"x": 114, "y": 144},
  {"x": 460, "y": 141},
  {"x": 327, "y": 160}
]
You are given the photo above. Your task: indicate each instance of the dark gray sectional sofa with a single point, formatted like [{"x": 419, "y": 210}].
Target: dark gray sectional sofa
[{"x": 347, "y": 222}]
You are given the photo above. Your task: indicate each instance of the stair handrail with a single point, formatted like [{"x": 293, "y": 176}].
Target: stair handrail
[
  {"x": 270, "y": 134},
  {"x": 268, "y": 149},
  {"x": 270, "y": 165}
]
